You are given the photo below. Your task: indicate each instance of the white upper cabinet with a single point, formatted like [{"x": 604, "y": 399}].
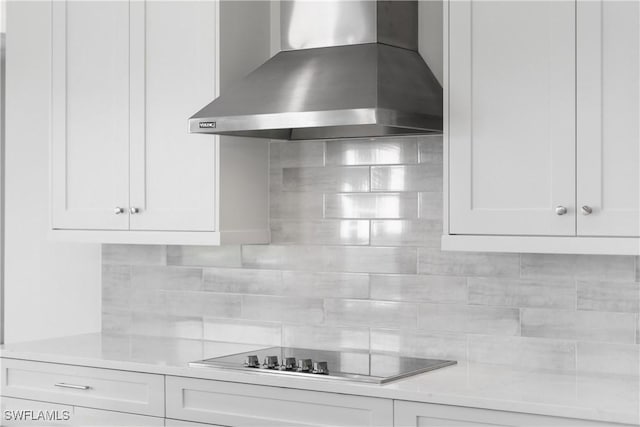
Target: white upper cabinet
[
  {"x": 543, "y": 129},
  {"x": 173, "y": 74},
  {"x": 90, "y": 115},
  {"x": 511, "y": 117},
  {"x": 608, "y": 118},
  {"x": 126, "y": 76}
]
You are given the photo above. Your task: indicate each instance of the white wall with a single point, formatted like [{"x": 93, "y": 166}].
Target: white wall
[{"x": 51, "y": 288}]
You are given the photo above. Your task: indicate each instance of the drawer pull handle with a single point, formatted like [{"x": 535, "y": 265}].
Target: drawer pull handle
[{"x": 73, "y": 386}]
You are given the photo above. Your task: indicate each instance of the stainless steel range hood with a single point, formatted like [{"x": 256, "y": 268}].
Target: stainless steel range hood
[{"x": 347, "y": 69}]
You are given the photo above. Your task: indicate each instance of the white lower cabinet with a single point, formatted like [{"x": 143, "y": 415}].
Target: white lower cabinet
[
  {"x": 108, "y": 389},
  {"x": 21, "y": 412},
  {"x": 52, "y": 394},
  {"x": 414, "y": 414},
  {"x": 239, "y": 405}
]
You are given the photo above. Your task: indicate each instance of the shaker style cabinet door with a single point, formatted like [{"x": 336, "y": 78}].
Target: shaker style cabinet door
[
  {"x": 512, "y": 117},
  {"x": 173, "y": 74},
  {"x": 414, "y": 414},
  {"x": 90, "y": 115},
  {"x": 608, "y": 100}
]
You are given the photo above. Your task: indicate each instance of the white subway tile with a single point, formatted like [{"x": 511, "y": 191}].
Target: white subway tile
[
  {"x": 326, "y": 285},
  {"x": 242, "y": 331},
  {"x": 389, "y": 232},
  {"x": 347, "y": 179},
  {"x": 371, "y": 205},
  {"x": 620, "y": 359},
  {"x": 354, "y": 259},
  {"x": 320, "y": 232},
  {"x": 205, "y": 256},
  {"x": 379, "y": 151},
  {"x": 434, "y": 261},
  {"x": 301, "y": 154},
  {"x": 134, "y": 254},
  {"x": 346, "y": 312},
  {"x": 579, "y": 325},
  {"x": 589, "y": 267},
  {"x": 442, "y": 289},
  {"x": 543, "y": 293},
  {"x": 168, "y": 278},
  {"x": 293, "y": 205},
  {"x": 282, "y": 308},
  {"x": 469, "y": 319},
  {"x": 604, "y": 295},
  {"x": 189, "y": 327},
  {"x": 423, "y": 177},
  {"x": 430, "y": 205},
  {"x": 430, "y": 149},
  {"x": 325, "y": 338},
  {"x": 419, "y": 343},
  {"x": 243, "y": 281},
  {"x": 523, "y": 352}
]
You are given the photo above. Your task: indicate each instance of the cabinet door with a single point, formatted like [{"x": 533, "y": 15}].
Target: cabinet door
[
  {"x": 511, "y": 117},
  {"x": 414, "y": 414},
  {"x": 173, "y": 54},
  {"x": 609, "y": 117},
  {"x": 90, "y": 114},
  {"x": 246, "y": 405},
  {"x": 22, "y": 412}
]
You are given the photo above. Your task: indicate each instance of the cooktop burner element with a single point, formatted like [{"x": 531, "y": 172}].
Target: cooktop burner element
[{"x": 359, "y": 366}]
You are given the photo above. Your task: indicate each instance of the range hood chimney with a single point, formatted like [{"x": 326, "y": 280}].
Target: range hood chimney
[{"x": 347, "y": 69}]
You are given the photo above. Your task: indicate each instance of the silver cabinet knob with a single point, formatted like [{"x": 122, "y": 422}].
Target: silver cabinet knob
[
  {"x": 561, "y": 210},
  {"x": 118, "y": 210},
  {"x": 586, "y": 210},
  {"x": 134, "y": 211}
]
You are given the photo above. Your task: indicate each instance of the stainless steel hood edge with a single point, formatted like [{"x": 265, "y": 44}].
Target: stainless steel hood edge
[{"x": 336, "y": 91}]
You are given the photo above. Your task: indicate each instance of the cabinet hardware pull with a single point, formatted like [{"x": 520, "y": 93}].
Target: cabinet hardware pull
[
  {"x": 561, "y": 210},
  {"x": 134, "y": 211},
  {"x": 73, "y": 386},
  {"x": 586, "y": 210},
  {"x": 118, "y": 210}
]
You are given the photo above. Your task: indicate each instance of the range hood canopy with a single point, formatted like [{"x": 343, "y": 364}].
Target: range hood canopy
[{"x": 347, "y": 69}]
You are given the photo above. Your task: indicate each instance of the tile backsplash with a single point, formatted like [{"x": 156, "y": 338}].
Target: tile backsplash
[{"x": 355, "y": 263}]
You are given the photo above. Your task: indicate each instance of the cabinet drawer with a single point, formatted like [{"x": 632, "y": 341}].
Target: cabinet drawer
[
  {"x": 239, "y": 405},
  {"x": 22, "y": 413},
  {"x": 414, "y": 414},
  {"x": 91, "y": 387}
]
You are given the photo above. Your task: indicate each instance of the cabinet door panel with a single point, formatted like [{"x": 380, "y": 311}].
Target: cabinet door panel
[
  {"x": 77, "y": 385},
  {"x": 173, "y": 75},
  {"x": 414, "y": 414},
  {"x": 90, "y": 114},
  {"x": 238, "y": 405},
  {"x": 608, "y": 75},
  {"x": 511, "y": 117},
  {"x": 61, "y": 415}
]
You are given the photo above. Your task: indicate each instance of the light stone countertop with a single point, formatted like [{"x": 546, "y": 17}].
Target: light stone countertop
[{"x": 594, "y": 397}]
